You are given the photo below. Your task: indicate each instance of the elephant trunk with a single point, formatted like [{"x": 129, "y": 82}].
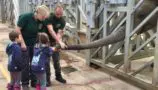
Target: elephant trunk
[{"x": 117, "y": 36}]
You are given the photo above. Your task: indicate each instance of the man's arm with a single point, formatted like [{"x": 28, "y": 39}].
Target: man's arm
[
  {"x": 52, "y": 32},
  {"x": 60, "y": 34}
]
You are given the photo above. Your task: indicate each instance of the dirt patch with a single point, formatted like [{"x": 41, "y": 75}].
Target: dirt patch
[{"x": 68, "y": 69}]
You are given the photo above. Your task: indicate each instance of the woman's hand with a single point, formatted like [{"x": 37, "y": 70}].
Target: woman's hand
[{"x": 23, "y": 46}]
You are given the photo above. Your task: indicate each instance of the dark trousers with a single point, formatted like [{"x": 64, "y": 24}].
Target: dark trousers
[
  {"x": 27, "y": 73},
  {"x": 15, "y": 78},
  {"x": 56, "y": 62}
]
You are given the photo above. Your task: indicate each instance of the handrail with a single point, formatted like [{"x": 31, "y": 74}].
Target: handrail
[
  {"x": 82, "y": 13},
  {"x": 118, "y": 26},
  {"x": 103, "y": 25},
  {"x": 99, "y": 10},
  {"x": 150, "y": 39},
  {"x": 137, "y": 5},
  {"x": 96, "y": 52},
  {"x": 70, "y": 11},
  {"x": 144, "y": 21}
]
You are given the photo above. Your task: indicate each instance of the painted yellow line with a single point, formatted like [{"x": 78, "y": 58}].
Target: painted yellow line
[{"x": 4, "y": 72}]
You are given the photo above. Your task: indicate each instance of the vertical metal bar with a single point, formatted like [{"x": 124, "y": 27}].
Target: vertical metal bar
[
  {"x": 16, "y": 10},
  {"x": 155, "y": 74},
  {"x": 88, "y": 58},
  {"x": 127, "y": 63},
  {"x": 139, "y": 4},
  {"x": 81, "y": 12},
  {"x": 11, "y": 14},
  {"x": 138, "y": 39},
  {"x": 105, "y": 48},
  {"x": 78, "y": 14},
  {"x": 3, "y": 11},
  {"x": 0, "y": 10}
]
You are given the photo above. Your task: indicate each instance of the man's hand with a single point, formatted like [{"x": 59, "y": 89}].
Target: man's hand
[{"x": 63, "y": 45}]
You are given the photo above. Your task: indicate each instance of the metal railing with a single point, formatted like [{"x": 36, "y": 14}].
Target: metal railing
[{"x": 109, "y": 52}]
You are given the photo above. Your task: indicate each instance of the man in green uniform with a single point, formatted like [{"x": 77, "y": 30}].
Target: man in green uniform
[{"x": 56, "y": 23}]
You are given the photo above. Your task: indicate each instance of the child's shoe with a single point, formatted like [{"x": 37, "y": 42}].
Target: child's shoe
[
  {"x": 37, "y": 86},
  {"x": 17, "y": 87},
  {"x": 9, "y": 87},
  {"x": 43, "y": 88}
]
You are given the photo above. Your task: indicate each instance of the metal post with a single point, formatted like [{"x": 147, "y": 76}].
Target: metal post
[
  {"x": 155, "y": 74},
  {"x": 88, "y": 35},
  {"x": 16, "y": 10},
  {"x": 78, "y": 15},
  {"x": 12, "y": 14},
  {"x": 127, "y": 63},
  {"x": 3, "y": 11},
  {"x": 88, "y": 58},
  {"x": 81, "y": 19},
  {"x": 105, "y": 48}
]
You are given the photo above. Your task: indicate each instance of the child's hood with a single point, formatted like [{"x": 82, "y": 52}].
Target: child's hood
[{"x": 9, "y": 48}]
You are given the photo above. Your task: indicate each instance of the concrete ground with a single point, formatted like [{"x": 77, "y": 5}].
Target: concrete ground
[{"x": 78, "y": 75}]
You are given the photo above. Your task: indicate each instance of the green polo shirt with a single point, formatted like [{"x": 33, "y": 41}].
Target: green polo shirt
[
  {"x": 58, "y": 23},
  {"x": 29, "y": 28}
]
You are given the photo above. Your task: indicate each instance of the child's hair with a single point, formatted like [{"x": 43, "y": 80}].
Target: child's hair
[
  {"x": 13, "y": 35},
  {"x": 42, "y": 38}
]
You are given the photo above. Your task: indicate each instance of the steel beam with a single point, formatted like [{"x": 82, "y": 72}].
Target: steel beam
[
  {"x": 155, "y": 74},
  {"x": 129, "y": 27}
]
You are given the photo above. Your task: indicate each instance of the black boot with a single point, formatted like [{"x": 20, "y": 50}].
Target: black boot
[
  {"x": 56, "y": 60},
  {"x": 48, "y": 74},
  {"x": 49, "y": 82},
  {"x": 60, "y": 79},
  {"x": 33, "y": 84}
]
